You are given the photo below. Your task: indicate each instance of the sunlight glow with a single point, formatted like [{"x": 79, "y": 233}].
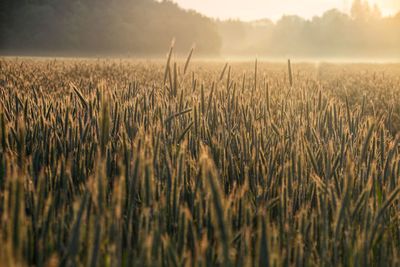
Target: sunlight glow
[{"x": 272, "y": 9}]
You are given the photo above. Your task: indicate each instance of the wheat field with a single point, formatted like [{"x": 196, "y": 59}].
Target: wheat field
[{"x": 192, "y": 163}]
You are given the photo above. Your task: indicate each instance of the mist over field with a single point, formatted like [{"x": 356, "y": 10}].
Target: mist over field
[{"x": 145, "y": 28}]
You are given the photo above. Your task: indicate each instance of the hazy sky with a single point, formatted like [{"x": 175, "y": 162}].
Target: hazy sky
[{"x": 274, "y": 9}]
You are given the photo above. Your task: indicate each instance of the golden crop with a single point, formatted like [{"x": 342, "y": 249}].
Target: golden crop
[{"x": 133, "y": 163}]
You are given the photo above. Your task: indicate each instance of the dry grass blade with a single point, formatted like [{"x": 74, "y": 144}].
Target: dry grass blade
[
  {"x": 167, "y": 66},
  {"x": 221, "y": 76},
  {"x": 184, "y": 132},
  {"x": 290, "y": 73},
  {"x": 177, "y": 115},
  {"x": 188, "y": 60},
  {"x": 79, "y": 94}
]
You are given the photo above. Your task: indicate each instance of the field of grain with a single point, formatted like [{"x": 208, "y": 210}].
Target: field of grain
[{"x": 147, "y": 163}]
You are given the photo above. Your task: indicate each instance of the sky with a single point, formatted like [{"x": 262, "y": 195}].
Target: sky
[{"x": 274, "y": 9}]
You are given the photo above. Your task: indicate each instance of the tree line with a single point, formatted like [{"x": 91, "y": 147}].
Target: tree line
[
  {"x": 146, "y": 27},
  {"x": 362, "y": 33},
  {"x": 115, "y": 27}
]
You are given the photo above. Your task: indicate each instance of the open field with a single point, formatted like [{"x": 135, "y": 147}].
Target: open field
[{"x": 127, "y": 163}]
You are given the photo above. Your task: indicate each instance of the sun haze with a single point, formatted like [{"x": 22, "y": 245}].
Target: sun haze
[{"x": 258, "y": 9}]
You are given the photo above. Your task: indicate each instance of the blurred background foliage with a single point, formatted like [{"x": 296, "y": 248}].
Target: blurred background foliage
[{"x": 146, "y": 27}]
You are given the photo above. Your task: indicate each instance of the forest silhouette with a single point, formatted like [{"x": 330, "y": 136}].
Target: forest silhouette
[{"x": 146, "y": 27}]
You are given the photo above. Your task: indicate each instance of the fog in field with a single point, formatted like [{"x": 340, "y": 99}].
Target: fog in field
[{"x": 145, "y": 28}]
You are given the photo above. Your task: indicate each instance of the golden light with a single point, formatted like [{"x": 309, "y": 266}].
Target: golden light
[{"x": 258, "y": 9}]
